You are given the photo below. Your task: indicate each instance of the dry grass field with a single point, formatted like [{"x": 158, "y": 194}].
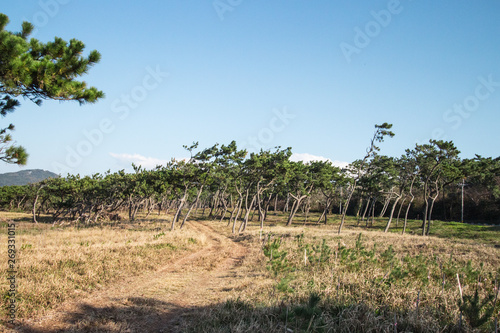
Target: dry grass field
[
  {"x": 58, "y": 263},
  {"x": 139, "y": 277}
]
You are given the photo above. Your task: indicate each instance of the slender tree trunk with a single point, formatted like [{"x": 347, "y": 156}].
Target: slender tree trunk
[
  {"x": 243, "y": 224},
  {"x": 360, "y": 205},
  {"x": 225, "y": 210},
  {"x": 392, "y": 213},
  {"x": 426, "y": 209},
  {"x": 135, "y": 210},
  {"x": 399, "y": 211},
  {"x": 213, "y": 203},
  {"x": 160, "y": 207},
  {"x": 150, "y": 207},
  {"x": 386, "y": 205},
  {"x": 181, "y": 203},
  {"x": 240, "y": 208},
  {"x": 275, "y": 208},
  {"x": 325, "y": 210},
  {"x": 295, "y": 208},
  {"x": 346, "y": 205},
  {"x": 340, "y": 201},
  {"x": 268, "y": 204},
  {"x": 373, "y": 212},
  {"x": 237, "y": 208},
  {"x": 366, "y": 208},
  {"x": 259, "y": 206},
  {"x": 407, "y": 211},
  {"x": 433, "y": 200},
  {"x": 307, "y": 208},
  {"x": 358, "y": 212},
  {"x": 285, "y": 207},
  {"x": 193, "y": 205},
  {"x": 35, "y": 203},
  {"x": 409, "y": 204}
]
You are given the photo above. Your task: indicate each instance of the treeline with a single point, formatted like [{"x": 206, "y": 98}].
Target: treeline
[{"x": 229, "y": 184}]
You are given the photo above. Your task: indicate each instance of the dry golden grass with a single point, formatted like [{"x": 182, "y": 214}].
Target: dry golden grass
[
  {"x": 57, "y": 263},
  {"x": 345, "y": 283},
  {"x": 361, "y": 292}
]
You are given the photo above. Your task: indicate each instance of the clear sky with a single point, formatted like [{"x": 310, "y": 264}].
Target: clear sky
[{"x": 313, "y": 75}]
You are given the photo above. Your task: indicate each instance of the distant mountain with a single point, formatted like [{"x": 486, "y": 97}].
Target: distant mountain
[{"x": 25, "y": 177}]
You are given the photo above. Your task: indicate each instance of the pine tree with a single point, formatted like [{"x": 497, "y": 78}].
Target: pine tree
[{"x": 38, "y": 71}]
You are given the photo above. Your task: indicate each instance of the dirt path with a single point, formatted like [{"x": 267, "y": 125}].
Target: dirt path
[{"x": 155, "y": 301}]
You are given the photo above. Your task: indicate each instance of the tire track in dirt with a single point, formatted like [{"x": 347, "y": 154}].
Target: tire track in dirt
[{"x": 154, "y": 301}]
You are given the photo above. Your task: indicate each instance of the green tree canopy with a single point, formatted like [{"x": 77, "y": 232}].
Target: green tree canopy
[{"x": 38, "y": 71}]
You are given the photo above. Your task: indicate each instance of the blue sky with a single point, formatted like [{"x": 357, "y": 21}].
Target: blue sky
[{"x": 313, "y": 75}]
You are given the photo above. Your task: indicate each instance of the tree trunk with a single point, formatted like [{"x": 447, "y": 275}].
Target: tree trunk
[
  {"x": 426, "y": 210},
  {"x": 430, "y": 210},
  {"x": 346, "y": 205},
  {"x": 366, "y": 208},
  {"x": 295, "y": 208},
  {"x": 268, "y": 204},
  {"x": 136, "y": 208},
  {"x": 214, "y": 200},
  {"x": 386, "y": 205},
  {"x": 243, "y": 224},
  {"x": 35, "y": 202},
  {"x": 399, "y": 211},
  {"x": 193, "y": 205},
  {"x": 373, "y": 212},
  {"x": 358, "y": 212},
  {"x": 325, "y": 210},
  {"x": 225, "y": 210},
  {"x": 181, "y": 203},
  {"x": 392, "y": 213},
  {"x": 285, "y": 207},
  {"x": 275, "y": 204},
  {"x": 308, "y": 207},
  {"x": 360, "y": 205},
  {"x": 238, "y": 208}
]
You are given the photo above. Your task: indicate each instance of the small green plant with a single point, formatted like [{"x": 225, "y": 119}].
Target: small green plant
[
  {"x": 418, "y": 267},
  {"x": 26, "y": 246},
  {"x": 308, "y": 313},
  {"x": 300, "y": 240},
  {"x": 316, "y": 254},
  {"x": 162, "y": 246},
  {"x": 388, "y": 256},
  {"x": 278, "y": 262},
  {"x": 158, "y": 235},
  {"x": 477, "y": 312},
  {"x": 471, "y": 274},
  {"x": 284, "y": 284}
]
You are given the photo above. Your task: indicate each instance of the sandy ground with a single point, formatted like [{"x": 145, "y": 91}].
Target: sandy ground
[{"x": 155, "y": 301}]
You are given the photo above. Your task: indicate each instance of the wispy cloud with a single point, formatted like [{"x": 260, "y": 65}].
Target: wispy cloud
[
  {"x": 305, "y": 157},
  {"x": 151, "y": 162},
  {"x": 145, "y": 162}
]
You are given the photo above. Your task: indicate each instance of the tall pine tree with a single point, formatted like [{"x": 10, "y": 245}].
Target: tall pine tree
[{"x": 37, "y": 71}]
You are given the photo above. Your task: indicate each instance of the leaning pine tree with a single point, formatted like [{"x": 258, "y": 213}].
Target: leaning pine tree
[{"x": 37, "y": 71}]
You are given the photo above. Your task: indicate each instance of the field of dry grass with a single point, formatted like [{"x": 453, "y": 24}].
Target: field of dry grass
[
  {"x": 361, "y": 281},
  {"x": 304, "y": 278},
  {"x": 57, "y": 263}
]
